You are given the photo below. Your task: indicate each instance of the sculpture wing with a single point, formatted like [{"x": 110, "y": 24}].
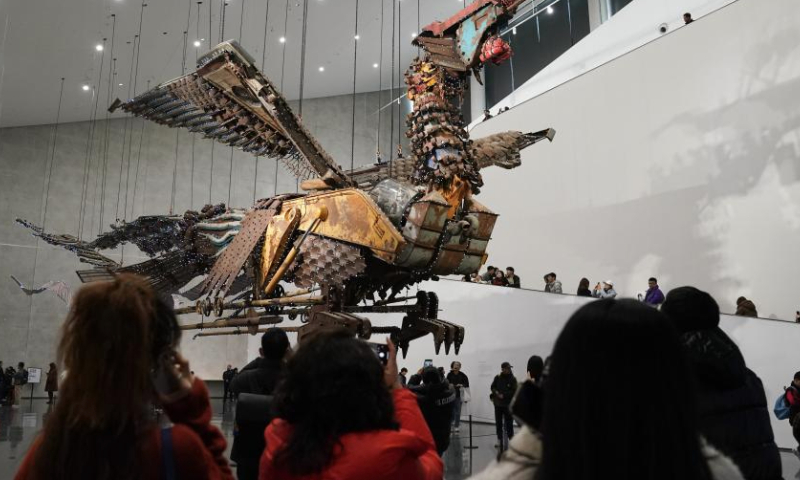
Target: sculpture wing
[
  {"x": 59, "y": 288},
  {"x": 503, "y": 149},
  {"x": 229, "y": 100}
]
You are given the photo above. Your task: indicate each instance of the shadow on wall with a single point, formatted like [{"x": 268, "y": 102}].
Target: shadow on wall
[{"x": 751, "y": 198}]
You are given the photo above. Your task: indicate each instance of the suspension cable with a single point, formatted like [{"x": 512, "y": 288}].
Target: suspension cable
[
  {"x": 125, "y": 132},
  {"x": 52, "y": 158},
  {"x": 355, "y": 65},
  {"x": 90, "y": 144},
  {"x": 112, "y": 71},
  {"x": 391, "y": 95},
  {"x": 380, "y": 92},
  {"x": 285, "y": 26}
]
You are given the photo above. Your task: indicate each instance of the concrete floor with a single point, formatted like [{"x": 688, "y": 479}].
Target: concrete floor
[{"x": 18, "y": 427}]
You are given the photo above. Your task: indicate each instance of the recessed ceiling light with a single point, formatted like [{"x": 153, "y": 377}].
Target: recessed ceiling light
[
  {"x": 85, "y": 87},
  {"x": 357, "y": 37},
  {"x": 282, "y": 39},
  {"x": 413, "y": 34},
  {"x": 120, "y": 84},
  {"x": 197, "y": 43},
  {"x": 374, "y": 65},
  {"x": 549, "y": 9},
  {"x": 98, "y": 47},
  {"x": 321, "y": 69}
]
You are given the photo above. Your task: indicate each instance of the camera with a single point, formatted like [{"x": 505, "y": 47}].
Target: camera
[
  {"x": 663, "y": 28},
  {"x": 381, "y": 351}
]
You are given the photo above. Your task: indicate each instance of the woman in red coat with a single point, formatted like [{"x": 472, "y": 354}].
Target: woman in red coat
[
  {"x": 341, "y": 414},
  {"x": 118, "y": 344}
]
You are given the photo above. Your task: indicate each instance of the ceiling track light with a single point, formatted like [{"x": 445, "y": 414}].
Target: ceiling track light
[{"x": 98, "y": 47}]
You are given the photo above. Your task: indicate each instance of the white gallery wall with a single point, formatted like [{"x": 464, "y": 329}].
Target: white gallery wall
[{"x": 680, "y": 160}]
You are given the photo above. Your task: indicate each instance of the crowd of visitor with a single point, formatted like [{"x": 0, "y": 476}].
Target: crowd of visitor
[
  {"x": 653, "y": 296},
  {"x": 658, "y": 394}
]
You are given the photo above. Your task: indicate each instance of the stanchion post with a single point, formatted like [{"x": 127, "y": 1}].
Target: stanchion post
[
  {"x": 31, "y": 395},
  {"x": 471, "y": 446}
]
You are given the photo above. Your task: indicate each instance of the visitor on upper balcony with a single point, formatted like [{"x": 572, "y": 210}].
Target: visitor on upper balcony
[
  {"x": 488, "y": 276},
  {"x": 551, "y": 284},
  {"x": 499, "y": 278},
  {"x": 745, "y": 308},
  {"x": 605, "y": 290},
  {"x": 583, "y": 288},
  {"x": 513, "y": 278},
  {"x": 653, "y": 296}
]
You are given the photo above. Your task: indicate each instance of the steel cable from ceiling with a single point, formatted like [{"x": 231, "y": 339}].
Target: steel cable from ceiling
[
  {"x": 90, "y": 143},
  {"x": 399, "y": 80},
  {"x": 177, "y": 132},
  {"x": 125, "y": 133},
  {"x": 285, "y": 26},
  {"x": 380, "y": 92},
  {"x": 355, "y": 65},
  {"x": 263, "y": 69},
  {"x": 52, "y": 161},
  {"x": 211, "y": 170},
  {"x": 130, "y": 141},
  {"x": 112, "y": 69},
  {"x": 194, "y": 135},
  {"x": 303, "y": 58},
  {"x": 391, "y": 94}
]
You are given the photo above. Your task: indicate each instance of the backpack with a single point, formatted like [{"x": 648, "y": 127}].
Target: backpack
[{"x": 781, "y": 408}]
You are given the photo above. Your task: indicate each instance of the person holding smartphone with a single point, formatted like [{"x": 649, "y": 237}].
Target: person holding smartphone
[
  {"x": 119, "y": 343},
  {"x": 460, "y": 382}
]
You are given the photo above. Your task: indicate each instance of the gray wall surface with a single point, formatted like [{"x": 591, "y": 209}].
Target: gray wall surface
[
  {"x": 678, "y": 160},
  {"x": 139, "y": 176}
]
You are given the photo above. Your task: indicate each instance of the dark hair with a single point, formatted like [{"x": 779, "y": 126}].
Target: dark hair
[
  {"x": 431, "y": 376},
  {"x": 740, "y": 300},
  {"x": 652, "y": 279},
  {"x": 797, "y": 376},
  {"x": 551, "y": 274},
  {"x": 333, "y": 385},
  {"x": 274, "y": 344},
  {"x": 584, "y": 283},
  {"x": 112, "y": 338},
  {"x": 491, "y": 268},
  {"x": 21, "y": 364},
  {"x": 691, "y": 309},
  {"x": 510, "y": 268},
  {"x": 404, "y": 369},
  {"x": 623, "y": 343},
  {"x": 535, "y": 366}
]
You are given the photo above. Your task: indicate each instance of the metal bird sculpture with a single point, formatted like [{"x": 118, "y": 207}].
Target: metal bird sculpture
[
  {"x": 355, "y": 240},
  {"x": 61, "y": 289}
]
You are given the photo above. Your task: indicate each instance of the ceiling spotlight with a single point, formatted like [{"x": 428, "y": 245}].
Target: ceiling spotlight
[
  {"x": 374, "y": 65},
  {"x": 413, "y": 34},
  {"x": 282, "y": 39},
  {"x": 85, "y": 88},
  {"x": 514, "y": 30},
  {"x": 98, "y": 47},
  {"x": 321, "y": 69},
  {"x": 120, "y": 84},
  {"x": 357, "y": 37},
  {"x": 197, "y": 43},
  {"x": 550, "y": 10}
]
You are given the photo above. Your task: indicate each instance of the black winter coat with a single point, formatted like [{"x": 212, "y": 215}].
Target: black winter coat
[
  {"x": 732, "y": 406},
  {"x": 259, "y": 377},
  {"x": 437, "y": 402}
]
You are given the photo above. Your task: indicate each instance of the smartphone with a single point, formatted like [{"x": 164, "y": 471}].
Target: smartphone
[
  {"x": 381, "y": 351},
  {"x": 427, "y": 363}
]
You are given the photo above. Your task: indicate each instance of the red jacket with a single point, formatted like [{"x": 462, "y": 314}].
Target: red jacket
[
  {"x": 198, "y": 447},
  {"x": 405, "y": 454}
]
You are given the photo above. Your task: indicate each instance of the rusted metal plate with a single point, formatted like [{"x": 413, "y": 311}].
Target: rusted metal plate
[
  {"x": 353, "y": 217},
  {"x": 420, "y": 236},
  {"x": 448, "y": 262},
  {"x": 233, "y": 258},
  {"x": 327, "y": 262},
  {"x": 470, "y": 264},
  {"x": 415, "y": 257},
  {"x": 276, "y": 240}
]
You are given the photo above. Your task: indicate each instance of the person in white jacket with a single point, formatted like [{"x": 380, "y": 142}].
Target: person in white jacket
[
  {"x": 604, "y": 290},
  {"x": 629, "y": 416}
]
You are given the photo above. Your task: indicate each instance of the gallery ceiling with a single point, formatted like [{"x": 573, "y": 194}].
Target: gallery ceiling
[{"x": 42, "y": 41}]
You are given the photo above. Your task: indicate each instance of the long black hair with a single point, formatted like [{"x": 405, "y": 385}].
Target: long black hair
[
  {"x": 619, "y": 400},
  {"x": 333, "y": 385}
]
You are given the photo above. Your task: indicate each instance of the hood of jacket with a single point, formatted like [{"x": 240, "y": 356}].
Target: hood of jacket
[
  {"x": 358, "y": 456},
  {"x": 714, "y": 358}
]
